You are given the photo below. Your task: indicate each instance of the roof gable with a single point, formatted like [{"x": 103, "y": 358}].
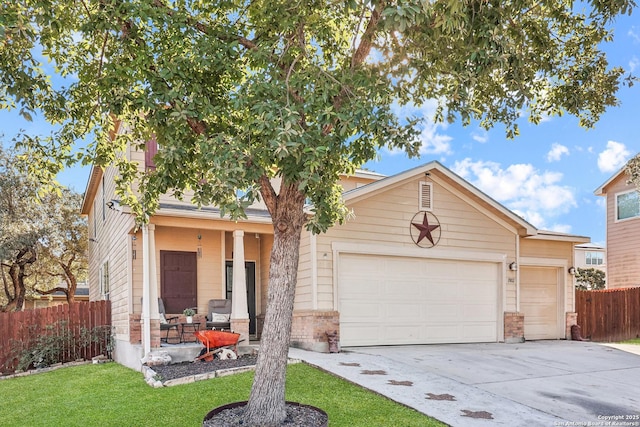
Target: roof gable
[
  {"x": 454, "y": 182},
  {"x": 601, "y": 191}
]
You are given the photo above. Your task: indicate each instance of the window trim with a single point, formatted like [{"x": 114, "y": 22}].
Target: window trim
[{"x": 622, "y": 193}]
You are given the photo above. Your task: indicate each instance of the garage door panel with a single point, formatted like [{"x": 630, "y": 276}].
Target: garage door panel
[
  {"x": 479, "y": 332},
  {"x": 399, "y": 290},
  {"x": 419, "y": 300},
  {"x": 360, "y": 311},
  {"x": 477, "y": 313},
  {"x": 361, "y": 334},
  {"x": 440, "y": 313},
  {"x": 401, "y": 312}
]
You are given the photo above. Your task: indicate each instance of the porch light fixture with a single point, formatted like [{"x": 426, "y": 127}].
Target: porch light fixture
[
  {"x": 513, "y": 266},
  {"x": 199, "y": 245},
  {"x": 133, "y": 247},
  {"x": 114, "y": 205},
  {"x": 572, "y": 271}
]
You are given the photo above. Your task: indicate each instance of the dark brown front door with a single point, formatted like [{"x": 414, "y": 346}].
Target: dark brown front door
[{"x": 178, "y": 280}]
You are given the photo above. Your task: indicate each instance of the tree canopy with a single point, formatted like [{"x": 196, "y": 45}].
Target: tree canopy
[
  {"x": 590, "y": 279},
  {"x": 43, "y": 238},
  {"x": 236, "y": 90},
  {"x": 239, "y": 92},
  {"x": 632, "y": 168}
]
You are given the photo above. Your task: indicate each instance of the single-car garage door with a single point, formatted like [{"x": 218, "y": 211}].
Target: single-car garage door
[
  {"x": 398, "y": 300},
  {"x": 539, "y": 302}
]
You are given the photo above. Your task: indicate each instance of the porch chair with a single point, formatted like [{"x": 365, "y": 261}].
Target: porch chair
[
  {"x": 167, "y": 323},
  {"x": 219, "y": 313}
]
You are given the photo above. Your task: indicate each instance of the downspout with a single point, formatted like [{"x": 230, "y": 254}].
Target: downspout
[
  {"x": 518, "y": 273},
  {"x": 314, "y": 272}
]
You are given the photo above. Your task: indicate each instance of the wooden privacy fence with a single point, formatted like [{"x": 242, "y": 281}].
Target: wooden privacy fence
[
  {"x": 64, "y": 333},
  {"x": 609, "y": 315}
]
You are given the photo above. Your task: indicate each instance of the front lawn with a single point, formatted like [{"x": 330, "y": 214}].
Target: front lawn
[
  {"x": 633, "y": 341},
  {"x": 112, "y": 395}
]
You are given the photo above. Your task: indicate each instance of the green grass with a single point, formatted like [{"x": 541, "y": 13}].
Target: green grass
[
  {"x": 633, "y": 341},
  {"x": 112, "y": 395}
]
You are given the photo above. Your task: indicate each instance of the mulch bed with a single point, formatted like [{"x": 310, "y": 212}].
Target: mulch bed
[{"x": 186, "y": 369}]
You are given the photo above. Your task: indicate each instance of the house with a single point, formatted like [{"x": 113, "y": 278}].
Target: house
[
  {"x": 591, "y": 255},
  {"x": 623, "y": 231},
  {"x": 427, "y": 258},
  {"x": 56, "y": 298}
]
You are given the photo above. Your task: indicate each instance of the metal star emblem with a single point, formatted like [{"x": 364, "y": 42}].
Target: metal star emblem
[{"x": 425, "y": 229}]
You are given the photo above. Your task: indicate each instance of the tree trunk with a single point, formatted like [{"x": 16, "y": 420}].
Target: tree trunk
[
  {"x": 266, "y": 407},
  {"x": 17, "y": 272}
]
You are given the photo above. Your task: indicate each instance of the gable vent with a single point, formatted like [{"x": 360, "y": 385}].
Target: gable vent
[{"x": 426, "y": 196}]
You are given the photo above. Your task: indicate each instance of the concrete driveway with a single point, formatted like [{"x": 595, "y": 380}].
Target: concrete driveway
[{"x": 541, "y": 383}]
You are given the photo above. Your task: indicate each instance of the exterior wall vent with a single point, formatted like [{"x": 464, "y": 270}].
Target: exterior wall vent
[{"x": 426, "y": 196}]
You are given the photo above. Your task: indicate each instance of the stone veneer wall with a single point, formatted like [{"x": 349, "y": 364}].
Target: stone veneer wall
[{"x": 513, "y": 327}]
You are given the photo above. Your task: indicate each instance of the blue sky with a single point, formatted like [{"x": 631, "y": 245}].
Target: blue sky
[{"x": 547, "y": 174}]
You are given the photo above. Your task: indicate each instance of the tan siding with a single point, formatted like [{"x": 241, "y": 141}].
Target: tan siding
[
  {"x": 353, "y": 182},
  {"x": 623, "y": 256},
  {"x": 112, "y": 246},
  {"x": 304, "y": 288}
]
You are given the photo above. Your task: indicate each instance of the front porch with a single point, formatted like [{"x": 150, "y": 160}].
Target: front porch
[{"x": 187, "y": 266}]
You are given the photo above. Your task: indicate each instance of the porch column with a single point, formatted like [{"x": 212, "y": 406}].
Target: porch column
[
  {"x": 239, "y": 306},
  {"x": 153, "y": 278},
  {"x": 146, "y": 297},
  {"x": 149, "y": 286}
]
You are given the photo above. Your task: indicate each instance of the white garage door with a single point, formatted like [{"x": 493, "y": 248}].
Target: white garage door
[
  {"x": 396, "y": 300},
  {"x": 539, "y": 302}
]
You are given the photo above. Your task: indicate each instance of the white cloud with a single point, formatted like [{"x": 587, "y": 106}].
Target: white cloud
[
  {"x": 633, "y": 33},
  {"x": 561, "y": 228},
  {"x": 634, "y": 63},
  {"x": 538, "y": 196},
  {"x": 556, "y": 152},
  {"x": 613, "y": 157},
  {"x": 433, "y": 140},
  {"x": 480, "y": 136}
]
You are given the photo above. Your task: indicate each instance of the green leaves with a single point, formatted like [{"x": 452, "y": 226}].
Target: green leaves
[{"x": 233, "y": 91}]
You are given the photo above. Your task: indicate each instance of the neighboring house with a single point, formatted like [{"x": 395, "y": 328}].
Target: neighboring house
[
  {"x": 428, "y": 258},
  {"x": 623, "y": 231},
  {"x": 57, "y": 298},
  {"x": 591, "y": 255}
]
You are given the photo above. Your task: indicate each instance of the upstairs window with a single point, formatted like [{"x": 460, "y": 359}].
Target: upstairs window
[
  {"x": 594, "y": 258},
  {"x": 627, "y": 205},
  {"x": 104, "y": 280}
]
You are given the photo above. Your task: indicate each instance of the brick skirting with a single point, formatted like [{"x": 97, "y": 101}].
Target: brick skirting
[
  {"x": 309, "y": 329},
  {"x": 513, "y": 327}
]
